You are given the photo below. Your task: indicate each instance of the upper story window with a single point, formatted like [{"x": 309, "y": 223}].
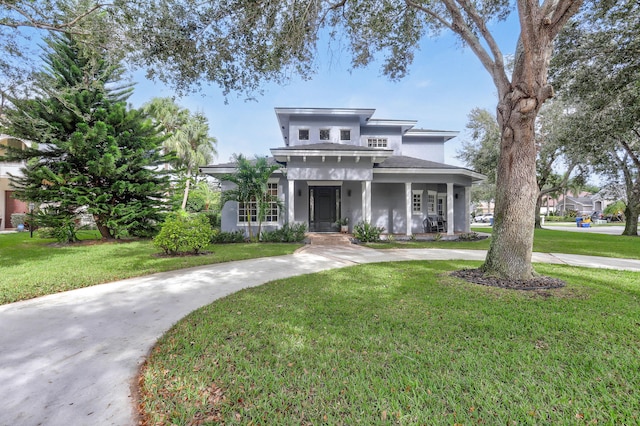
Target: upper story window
[
  {"x": 345, "y": 135},
  {"x": 303, "y": 134},
  {"x": 377, "y": 142},
  {"x": 325, "y": 134}
]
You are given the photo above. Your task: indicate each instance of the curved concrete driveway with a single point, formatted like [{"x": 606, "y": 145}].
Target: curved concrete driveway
[{"x": 71, "y": 358}]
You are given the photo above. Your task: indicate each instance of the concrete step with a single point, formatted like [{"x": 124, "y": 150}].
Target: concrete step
[{"x": 329, "y": 239}]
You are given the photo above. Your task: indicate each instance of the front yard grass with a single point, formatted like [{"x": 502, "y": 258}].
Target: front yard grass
[
  {"x": 545, "y": 241},
  {"x": 34, "y": 267},
  {"x": 404, "y": 343}
]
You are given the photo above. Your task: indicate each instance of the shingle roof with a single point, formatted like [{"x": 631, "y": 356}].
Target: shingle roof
[{"x": 404, "y": 162}]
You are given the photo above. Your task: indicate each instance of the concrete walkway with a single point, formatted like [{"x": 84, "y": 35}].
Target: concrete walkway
[{"x": 72, "y": 358}]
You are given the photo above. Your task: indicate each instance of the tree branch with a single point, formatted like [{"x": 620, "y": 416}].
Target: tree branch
[
  {"x": 495, "y": 66},
  {"x": 629, "y": 151},
  {"x": 556, "y": 13},
  {"x": 34, "y": 23}
]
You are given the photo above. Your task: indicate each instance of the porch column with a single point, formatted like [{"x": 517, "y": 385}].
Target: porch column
[
  {"x": 409, "y": 206},
  {"x": 467, "y": 211},
  {"x": 366, "y": 201},
  {"x": 450, "y": 217},
  {"x": 291, "y": 203}
]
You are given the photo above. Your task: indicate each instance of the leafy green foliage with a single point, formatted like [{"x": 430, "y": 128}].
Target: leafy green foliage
[
  {"x": 91, "y": 150},
  {"x": 597, "y": 70},
  {"x": 62, "y": 225},
  {"x": 286, "y": 234},
  {"x": 366, "y": 232},
  {"x": 184, "y": 233},
  {"x": 187, "y": 138}
]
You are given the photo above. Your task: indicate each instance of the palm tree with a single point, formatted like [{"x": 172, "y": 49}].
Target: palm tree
[
  {"x": 187, "y": 136},
  {"x": 193, "y": 147},
  {"x": 251, "y": 189}
]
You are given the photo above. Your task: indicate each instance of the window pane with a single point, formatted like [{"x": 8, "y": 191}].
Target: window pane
[
  {"x": 325, "y": 134},
  {"x": 345, "y": 135},
  {"x": 303, "y": 134},
  {"x": 377, "y": 142}
]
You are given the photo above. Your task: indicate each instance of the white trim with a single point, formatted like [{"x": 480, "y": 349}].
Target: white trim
[
  {"x": 433, "y": 194},
  {"x": 408, "y": 199},
  {"x": 324, "y": 182}
]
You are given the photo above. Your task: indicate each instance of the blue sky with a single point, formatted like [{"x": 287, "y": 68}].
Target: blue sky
[{"x": 445, "y": 83}]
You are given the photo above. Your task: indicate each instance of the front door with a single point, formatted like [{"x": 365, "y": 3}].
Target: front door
[{"x": 324, "y": 208}]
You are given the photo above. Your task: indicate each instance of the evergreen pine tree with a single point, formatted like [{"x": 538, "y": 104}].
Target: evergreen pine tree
[{"x": 91, "y": 151}]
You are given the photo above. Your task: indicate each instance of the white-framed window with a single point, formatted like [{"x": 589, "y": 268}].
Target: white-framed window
[
  {"x": 416, "y": 201},
  {"x": 431, "y": 202},
  {"x": 251, "y": 207},
  {"x": 325, "y": 134},
  {"x": 441, "y": 207},
  {"x": 345, "y": 135},
  {"x": 303, "y": 134},
  {"x": 377, "y": 142}
]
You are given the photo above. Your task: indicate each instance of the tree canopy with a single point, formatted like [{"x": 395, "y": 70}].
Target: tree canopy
[{"x": 597, "y": 70}]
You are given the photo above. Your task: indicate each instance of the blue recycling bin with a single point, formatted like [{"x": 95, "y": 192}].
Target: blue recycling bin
[{"x": 578, "y": 222}]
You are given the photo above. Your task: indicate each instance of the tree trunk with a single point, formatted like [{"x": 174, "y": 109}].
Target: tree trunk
[
  {"x": 632, "y": 210},
  {"x": 536, "y": 217},
  {"x": 105, "y": 232},
  {"x": 186, "y": 191},
  {"x": 517, "y": 190}
]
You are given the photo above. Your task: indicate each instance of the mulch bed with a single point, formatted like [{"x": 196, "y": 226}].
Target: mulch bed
[{"x": 540, "y": 282}]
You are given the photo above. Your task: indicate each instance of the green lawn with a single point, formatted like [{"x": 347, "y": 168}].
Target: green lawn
[
  {"x": 405, "y": 343},
  {"x": 545, "y": 241},
  {"x": 32, "y": 267}
]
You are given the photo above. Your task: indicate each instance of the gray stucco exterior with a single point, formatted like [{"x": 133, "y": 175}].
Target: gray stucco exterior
[{"x": 342, "y": 163}]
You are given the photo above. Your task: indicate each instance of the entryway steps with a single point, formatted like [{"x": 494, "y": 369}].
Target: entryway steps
[{"x": 329, "y": 239}]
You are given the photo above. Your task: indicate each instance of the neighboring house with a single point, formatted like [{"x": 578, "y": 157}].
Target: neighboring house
[
  {"x": 342, "y": 163},
  {"x": 8, "y": 204},
  {"x": 584, "y": 204}
]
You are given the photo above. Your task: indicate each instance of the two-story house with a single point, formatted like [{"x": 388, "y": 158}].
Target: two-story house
[
  {"x": 343, "y": 163},
  {"x": 8, "y": 204}
]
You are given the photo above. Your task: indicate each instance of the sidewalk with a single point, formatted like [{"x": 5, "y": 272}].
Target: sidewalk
[{"x": 72, "y": 358}]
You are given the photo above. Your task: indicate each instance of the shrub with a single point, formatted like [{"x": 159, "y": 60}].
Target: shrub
[
  {"x": 17, "y": 219},
  {"x": 286, "y": 234},
  {"x": 227, "y": 237},
  {"x": 366, "y": 232},
  {"x": 59, "y": 223},
  {"x": 469, "y": 236},
  {"x": 184, "y": 233},
  {"x": 213, "y": 217}
]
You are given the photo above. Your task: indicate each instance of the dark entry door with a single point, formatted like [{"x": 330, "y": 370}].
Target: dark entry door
[{"x": 324, "y": 208}]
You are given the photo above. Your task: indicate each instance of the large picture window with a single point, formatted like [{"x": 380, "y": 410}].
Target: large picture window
[{"x": 251, "y": 208}]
